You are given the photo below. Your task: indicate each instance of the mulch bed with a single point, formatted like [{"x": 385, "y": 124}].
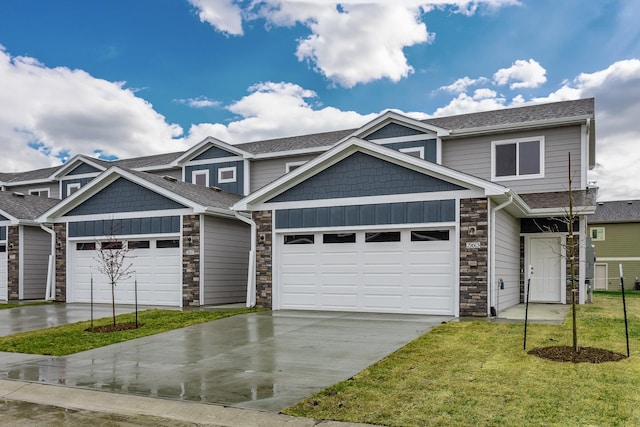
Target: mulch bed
[
  {"x": 125, "y": 326},
  {"x": 584, "y": 354}
]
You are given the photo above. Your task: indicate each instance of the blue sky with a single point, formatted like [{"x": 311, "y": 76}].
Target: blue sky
[{"x": 120, "y": 78}]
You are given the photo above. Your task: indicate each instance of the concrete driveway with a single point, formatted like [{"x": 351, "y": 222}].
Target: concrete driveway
[{"x": 266, "y": 361}]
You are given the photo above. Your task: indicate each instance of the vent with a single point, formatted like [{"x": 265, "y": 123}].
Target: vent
[
  {"x": 17, "y": 194},
  {"x": 169, "y": 178},
  {"x": 216, "y": 189},
  {"x": 629, "y": 202}
]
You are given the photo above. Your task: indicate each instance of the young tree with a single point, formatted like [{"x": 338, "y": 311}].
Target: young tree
[{"x": 113, "y": 260}]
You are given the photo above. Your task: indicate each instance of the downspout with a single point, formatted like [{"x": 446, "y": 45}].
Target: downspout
[
  {"x": 50, "y": 293},
  {"x": 492, "y": 291},
  {"x": 251, "y": 274}
]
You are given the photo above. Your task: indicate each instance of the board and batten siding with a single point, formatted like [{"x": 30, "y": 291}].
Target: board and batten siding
[
  {"x": 507, "y": 259},
  {"x": 268, "y": 170},
  {"x": 226, "y": 248},
  {"x": 36, "y": 251},
  {"x": 473, "y": 156}
]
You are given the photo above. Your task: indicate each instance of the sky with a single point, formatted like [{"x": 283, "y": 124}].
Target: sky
[{"x": 120, "y": 78}]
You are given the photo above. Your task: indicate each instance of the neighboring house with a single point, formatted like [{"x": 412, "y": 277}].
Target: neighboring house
[
  {"x": 615, "y": 234},
  {"x": 435, "y": 216},
  {"x": 25, "y": 246}
]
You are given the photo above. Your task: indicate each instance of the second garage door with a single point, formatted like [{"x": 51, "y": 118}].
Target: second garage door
[{"x": 396, "y": 271}]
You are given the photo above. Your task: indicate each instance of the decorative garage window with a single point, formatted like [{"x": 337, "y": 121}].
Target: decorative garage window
[
  {"x": 72, "y": 188},
  {"x": 42, "y": 192},
  {"x": 226, "y": 175},
  {"x": 86, "y": 246},
  {"x": 200, "y": 178},
  {"x": 518, "y": 158},
  {"x": 429, "y": 235},
  {"x": 413, "y": 151},
  {"x": 290, "y": 166},
  {"x": 3, "y": 248},
  {"x": 339, "y": 238},
  {"x": 164, "y": 244},
  {"x": 597, "y": 233},
  {"x": 299, "y": 239},
  {"x": 138, "y": 244},
  {"x": 111, "y": 245},
  {"x": 384, "y": 236}
]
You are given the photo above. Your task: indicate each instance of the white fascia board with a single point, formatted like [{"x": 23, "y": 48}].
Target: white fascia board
[
  {"x": 220, "y": 212},
  {"x": 577, "y": 120},
  {"x": 73, "y": 163},
  {"x": 12, "y": 220},
  {"x": 203, "y": 146}
]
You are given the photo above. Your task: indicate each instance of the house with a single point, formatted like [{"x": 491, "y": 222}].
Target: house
[
  {"x": 25, "y": 246},
  {"x": 615, "y": 235},
  {"x": 435, "y": 216}
]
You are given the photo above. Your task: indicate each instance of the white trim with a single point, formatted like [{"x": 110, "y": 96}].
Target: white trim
[
  {"x": 584, "y": 156},
  {"x": 81, "y": 175},
  {"x": 457, "y": 260},
  {"x": 205, "y": 145},
  {"x": 73, "y": 163},
  {"x": 32, "y": 190},
  {"x": 419, "y": 150},
  {"x": 517, "y": 142},
  {"x": 199, "y": 172},
  {"x": 597, "y": 228},
  {"x": 213, "y": 161},
  {"x": 246, "y": 177},
  {"x": 295, "y": 165},
  {"x": 622, "y": 258},
  {"x": 421, "y": 225},
  {"x": 226, "y": 180},
  {"x": 408, "y": 138},
  {"x": 73, "y": 185}
]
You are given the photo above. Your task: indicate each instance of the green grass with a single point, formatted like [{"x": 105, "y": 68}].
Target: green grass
[
  {"x": 4, "y": 305},
  {"x": 69, "y": 339},
  {"x": 477, "y": 374}
]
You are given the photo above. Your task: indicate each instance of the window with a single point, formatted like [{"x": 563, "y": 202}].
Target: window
[
  {"x": 519, "y": 159},
  {"x": 138, "y": 244},
  {"x": 385, "y": 236},
  {"x": 42, "y": 192},
  {"x": 290, "y": 166},
  {"x": 86, "y": 246},
  {"x": 164, "y": 244},
  {"x": 414, "y": 151},
  {"x": 429, "y": 235},
  {"x": 226, "y": 175},
  {"x": 339, "y": 238},
  {"x": 597, "y": 233},
  {"x": 200, "y": 177},
  {"x": 3, "y": 248},
  {"x": 111, "y": 245},
  {"x": 72, "y": 188},
  {"x": 299, "y": 239}
]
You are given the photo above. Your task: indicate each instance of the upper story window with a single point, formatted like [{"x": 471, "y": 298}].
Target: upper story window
[
  {"x": 517, "y": 158},
  {"x": 72, "y": 188},
  {"x": 290, "y": 166},
  {"x": 200, "y": 177},
  {"x": 597, "y": 233},
  {"x": 414, "y": 151},
  {"x": 226, "y": 175},
  {"x": 42, "y": 192}
]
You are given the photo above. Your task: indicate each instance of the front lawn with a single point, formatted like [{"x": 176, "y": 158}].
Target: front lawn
[
  {"x": 477, "y": 374},
  {"x": 69, "y": 339}
]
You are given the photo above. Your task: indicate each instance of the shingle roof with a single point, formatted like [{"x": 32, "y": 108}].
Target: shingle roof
[
  {"x": 324, "y": 139},
  {"x": 34, "y": 175},
  {"x": 560, "y": 199},
  {"x": 617, "y": 211},
  {"x": 147, "y": 161},
  {"x": 25, "y": 206}
]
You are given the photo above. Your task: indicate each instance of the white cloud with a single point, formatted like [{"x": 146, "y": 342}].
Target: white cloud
[
  {"x": 461, "y": 85},
  {"x": 60, "y": 111},
  {"x": 223, "y": 15},
  {"x": 199, "y": 102},
  {"x": 524, "y": 74}
]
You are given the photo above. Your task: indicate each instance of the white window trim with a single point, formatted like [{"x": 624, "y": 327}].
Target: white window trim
[
  {"x": 289, "y": 165},
  {"x": 591, "y": 234},
  {"x": 517, "y": 141},
  {"x": 73, "y": 185},
  {"x": 419, "y": 150},
  {"x": 196, "y": 173},
  {"x": 36, "y": 191},
  {"x": 223, "y": 170}
]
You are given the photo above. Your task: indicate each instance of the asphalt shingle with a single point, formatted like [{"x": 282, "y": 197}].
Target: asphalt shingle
[{"x": 617, "y": 211}]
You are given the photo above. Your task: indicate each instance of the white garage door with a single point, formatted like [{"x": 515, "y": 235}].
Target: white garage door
[
  {"x": 156, "y": 268},
  {"x": 3, "y": 273},
  {"x": 408, "y": 271}
]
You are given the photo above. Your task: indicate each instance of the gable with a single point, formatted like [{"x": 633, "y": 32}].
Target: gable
[
  {"x": 124, "y": 196},
  {"x": 83, "y": 168},
  {"x": 4, "y": 218},
  {"x": 360, "y": 175},
  {"x": 393, "y": 130},
  {"x": 214, "y": 153}
]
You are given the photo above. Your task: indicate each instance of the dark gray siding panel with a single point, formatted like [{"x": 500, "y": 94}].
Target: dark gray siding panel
[
  {"x": 81, "y": 181},
  {"x": 3, "y": 233},
  {"x": 124, "y": 196},
  {"x": 83, "y": 168},
  {"x": 430, "y": 147},
  {"x": 376, "y": 214},
  {"x": 125, "y": 226},
  {"x": 214, "y": 153},
  {"x": 393, "y": 130},
  {"x": 236, "y": 187},
  {"x": 363, "y": 175},
  {"x": 37, "y": 248}
]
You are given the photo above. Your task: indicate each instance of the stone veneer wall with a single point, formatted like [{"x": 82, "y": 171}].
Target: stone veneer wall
[
  {"x": 473, "y": 258},
  {"x": 191, "y": 260},
  {"x": 264, "y": 257},
  {"x": 61, "y": 261},
  {"x": 13, "y": 262}
]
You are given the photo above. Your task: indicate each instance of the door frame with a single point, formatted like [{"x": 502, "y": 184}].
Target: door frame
[{"x": 563, "y": 261}]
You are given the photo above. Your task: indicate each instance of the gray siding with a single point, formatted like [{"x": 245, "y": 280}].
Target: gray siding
[
  {"x": 236, "y": 187},
  {"x": 125, "y": 226},
  {"x": 36, "y": 251},
  {"x": 265, "y": 171},
  {"x": 81, "y": 181},
  {"x": 83, "y": 168},
  {"x": 507, "y": 262},
  {"x": 362, "y": 175},
  {"x": 473, "y": 156},
  {"x": 124, "y": 196},
  {"x": 226, "y": 258},
  {"x": 214, "y": 153},
  {"x": 376, "y": 214},
  {"x": 54, "y": 189}
]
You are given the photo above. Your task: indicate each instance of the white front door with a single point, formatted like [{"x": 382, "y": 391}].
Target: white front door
[
  {"x": 547, "y": 280},
  {"x": 600, "y": 277}
]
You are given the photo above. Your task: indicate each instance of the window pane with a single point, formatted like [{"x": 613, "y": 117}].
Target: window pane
[
  {"x": 429, "y": 235},
  {"x": 529, "y": 158},
  {"x": 111, "y": 245},
  {"x": 163, "y": 244},
  {"x": 385, "y": 236},
  {"x": 506, "y": 160},
  {"x": 339, "y": 238},
  {"x": 299, "y": 239},
  {"x": 90, "y": 246},
  {"x": 3, "y": 248},
  {"x": 138, "y": 244},
  {"x": 200, "y": 179}
]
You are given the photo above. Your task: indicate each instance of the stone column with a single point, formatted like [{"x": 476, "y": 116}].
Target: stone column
[
  {"x": 13, "y": 262},
  {"x": 264, "y": 259},
  {"x": 191, "y": 260},
  {"x": 474, "y": 247},
  {"x": 61, "y": 261}
]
